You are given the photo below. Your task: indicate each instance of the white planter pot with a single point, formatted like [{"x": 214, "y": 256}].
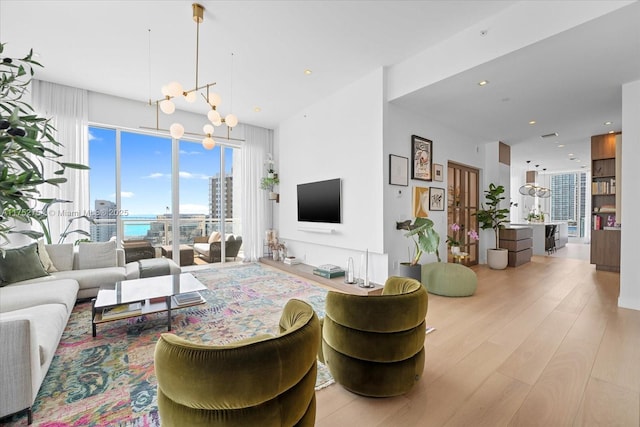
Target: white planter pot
[
  {"x": 273, "y": 195},
  {"x": 455, "y": 250},
  {"x": 497, "y": 259}
]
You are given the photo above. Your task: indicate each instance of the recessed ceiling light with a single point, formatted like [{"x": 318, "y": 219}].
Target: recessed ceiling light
[
  {"x": 570, "y": 154},
  {"x": 612, "y": 131},
  {"x": 532, "y": 122},
  {"x": 307, "y": 72},
  {"x": 608, "y": 123},
  {"x": 483, "y": 82},
  {"x": 257, "y": 109},
  {"x": 560, "y": 145}
]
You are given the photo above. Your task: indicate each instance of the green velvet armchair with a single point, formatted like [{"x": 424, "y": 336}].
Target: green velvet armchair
[
  {"x": 261, "y": 381},
  {"x": 374, "y": 345}
]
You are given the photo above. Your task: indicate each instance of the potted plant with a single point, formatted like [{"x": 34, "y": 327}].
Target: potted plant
[
  {"x": 425, "y": 240},
  {"x": 26, "y": 142},
  {"x": 492, "y": 217},
  {"x": 267, "y": 183},
  {"x": 456, "y": 239}
]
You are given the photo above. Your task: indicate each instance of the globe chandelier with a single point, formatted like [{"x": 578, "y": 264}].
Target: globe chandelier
[
  {"x": 532, "y": 189},
  {"x": 174, "y": 90}
]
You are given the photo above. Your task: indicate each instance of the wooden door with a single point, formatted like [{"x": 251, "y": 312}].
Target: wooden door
[{"x": 462, "y": 203}]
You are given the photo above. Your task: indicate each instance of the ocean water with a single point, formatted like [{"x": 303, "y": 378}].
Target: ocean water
[
  {"x": 138, "y": 226},
  {"x": 136, "y": 229}
]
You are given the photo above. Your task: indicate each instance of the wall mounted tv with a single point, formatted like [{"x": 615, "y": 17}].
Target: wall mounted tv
[{"x": 320, "y": 201}]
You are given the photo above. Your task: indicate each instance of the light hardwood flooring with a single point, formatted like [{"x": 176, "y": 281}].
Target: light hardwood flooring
[{"x": 543, "y": 344}]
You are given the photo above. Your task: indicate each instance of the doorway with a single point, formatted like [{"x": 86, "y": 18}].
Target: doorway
[{"x": 462, "y": 204}]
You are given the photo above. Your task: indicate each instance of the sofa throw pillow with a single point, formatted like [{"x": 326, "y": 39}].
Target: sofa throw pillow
[
  {"x": 61, "y": 255},
  {"x": 21, "y": 264},
  {"x": 45, "y": 259},
  {"x": 97, "y": 255},
  {"x": 214, "y": 237}
]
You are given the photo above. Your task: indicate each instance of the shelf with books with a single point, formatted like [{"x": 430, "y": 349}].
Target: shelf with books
[{"x": 605, "y": 240}]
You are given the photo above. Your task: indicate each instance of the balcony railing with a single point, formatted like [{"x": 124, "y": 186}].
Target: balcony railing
[{"x": 158, "y": 231}]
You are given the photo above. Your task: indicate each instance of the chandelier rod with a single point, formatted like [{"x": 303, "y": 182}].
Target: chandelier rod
[{"x": 197, "y": 16}]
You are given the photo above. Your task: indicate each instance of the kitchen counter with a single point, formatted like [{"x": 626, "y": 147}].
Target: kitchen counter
[{"x": 539, "y": 229}]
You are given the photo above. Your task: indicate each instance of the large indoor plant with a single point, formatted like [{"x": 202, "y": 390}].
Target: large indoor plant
[
  {"x": 491, "y": 216},
  {"x": 26, "y": 143},
  {"x": 426, "y": 240}
]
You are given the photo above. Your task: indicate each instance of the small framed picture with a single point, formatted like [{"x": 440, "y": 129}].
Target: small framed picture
[
  {"x": 421, "y": 152},
  {"x": 436, "y": 199},
  {"x": 420, "y": 202},
  {"x": 437, "y": 172},
  {"x": 398, "y": 170}
]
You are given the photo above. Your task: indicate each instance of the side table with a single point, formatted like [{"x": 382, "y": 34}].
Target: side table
[{"x": 186, "y": 254}]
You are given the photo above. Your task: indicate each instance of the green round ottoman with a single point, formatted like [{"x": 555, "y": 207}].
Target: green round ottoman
[{"x": 449, "y": 279}]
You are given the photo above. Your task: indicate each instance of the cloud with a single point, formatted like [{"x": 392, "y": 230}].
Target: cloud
[
  {"x": 92, "y": 137},
  {"x": 193, "y": 208},
  {"x": 189, "y": 175},
  {"x": 123, "y": 194},
  {"x": 157, "y": 175},
  {"x": 190, "y": 153}
]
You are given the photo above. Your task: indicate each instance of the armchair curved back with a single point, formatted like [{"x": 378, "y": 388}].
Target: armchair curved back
[
  {"x": 374, "y": 345},
  {"x": 264, "y": 380}
]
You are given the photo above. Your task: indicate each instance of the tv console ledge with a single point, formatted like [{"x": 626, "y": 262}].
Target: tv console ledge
[
  {"x": 306, "y": 271},
  {"x": 317, "y": 230}
]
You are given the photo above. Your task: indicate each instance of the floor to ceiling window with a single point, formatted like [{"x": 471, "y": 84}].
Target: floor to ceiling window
[
  {"x": 143, "y": 173},
  {"x": 568, "y": 201}
]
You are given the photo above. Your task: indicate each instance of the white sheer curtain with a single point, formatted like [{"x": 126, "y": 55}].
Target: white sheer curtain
[
  {"x": 254, "y": 201},
  {"x": 67, "y": 108}
]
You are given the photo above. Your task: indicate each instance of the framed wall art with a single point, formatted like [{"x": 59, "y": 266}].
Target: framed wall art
[
  {"x": 421, "y": 153},
  {"x": 398, "y": 170},
  {"x": 436, "y": 199},
  {"x": 437, "y": 172},
  {"x": 420, "y": 202}
]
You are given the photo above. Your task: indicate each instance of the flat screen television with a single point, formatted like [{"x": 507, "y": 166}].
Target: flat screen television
[{"x": 320, "y": 201}]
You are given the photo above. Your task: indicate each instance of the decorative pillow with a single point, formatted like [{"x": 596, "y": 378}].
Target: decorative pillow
[
  {"x": 230, "y": 238},
  {"x": 21, "y": 264},
  {"x": 45, "y": 259},
  {"x": 61, "y": 255},
  {"x": 97, "y": 255},
  {"x": 214, "y": 237}
]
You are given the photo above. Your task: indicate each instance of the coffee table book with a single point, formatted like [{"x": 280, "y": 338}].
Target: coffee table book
[
  {"x": 328, "y": 274},
  {"x": 188, "y": 298},
  {"x": 122, "y": 311}
]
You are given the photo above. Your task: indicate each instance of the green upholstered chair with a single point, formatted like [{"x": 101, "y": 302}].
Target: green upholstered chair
[
  {"x": 449, "y": 279},
  {"x": 261, "y": 381},
  {"x": 374, "y": 345}
]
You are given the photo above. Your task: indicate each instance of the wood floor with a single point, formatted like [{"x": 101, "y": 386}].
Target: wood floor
[{"x": 543, "y": 344}]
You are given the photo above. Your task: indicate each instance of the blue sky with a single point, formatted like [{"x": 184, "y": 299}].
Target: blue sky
[{"x": 146, "y": 172}]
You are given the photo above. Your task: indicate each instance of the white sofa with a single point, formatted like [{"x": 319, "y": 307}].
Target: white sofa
[
  {"x": 71, "y": 263},
  {"x": 34, "y": 312},
  {"x": 32, "y": 319}
]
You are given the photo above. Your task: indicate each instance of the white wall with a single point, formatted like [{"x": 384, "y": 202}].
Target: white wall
[
  {"x": 339, "y": 136},
  {"x": 127, "y": 113},
  {"x": 448, "y": 145},
  {"x": 629, "y": 272}
]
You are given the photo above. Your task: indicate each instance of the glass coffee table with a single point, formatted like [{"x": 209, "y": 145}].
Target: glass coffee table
[{"x": 139, "y": 297}]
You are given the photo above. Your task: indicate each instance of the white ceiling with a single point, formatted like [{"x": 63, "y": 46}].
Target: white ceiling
[{"x": 569, "y": 84}]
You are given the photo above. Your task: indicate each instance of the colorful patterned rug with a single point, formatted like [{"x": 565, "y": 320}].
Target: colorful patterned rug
[{"x": 109, "y": 380}]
